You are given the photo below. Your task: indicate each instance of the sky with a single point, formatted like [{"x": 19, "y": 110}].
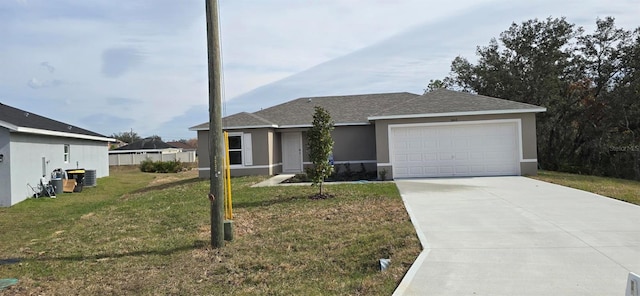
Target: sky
[{"x": 112, "y": 66}]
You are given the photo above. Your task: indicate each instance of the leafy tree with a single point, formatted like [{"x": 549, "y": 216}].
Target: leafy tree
[
  {"x": 320, "y": 145},
  {"x": 436, "y": 84},
  {"x": 127, "y": 137}
]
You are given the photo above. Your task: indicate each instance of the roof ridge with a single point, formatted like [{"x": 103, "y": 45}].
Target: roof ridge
[
  {"x": 481, "y": 96},
  {"x": 259, "y": 118},
  {"x": 356, "y": 95},
  {"x": 402, "y": 103}
]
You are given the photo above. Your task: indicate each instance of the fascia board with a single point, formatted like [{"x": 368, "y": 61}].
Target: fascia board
[
  {"x": 37, "y": 131},
  {"x": 469, "y": 113}
]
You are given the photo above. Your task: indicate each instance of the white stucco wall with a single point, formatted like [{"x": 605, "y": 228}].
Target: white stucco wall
[
  {"x": 5, "y": 169},
  {"x": 28, "y": 150}
]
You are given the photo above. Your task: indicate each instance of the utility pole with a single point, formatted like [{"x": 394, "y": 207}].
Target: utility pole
[{"x": 216, "y": 191}]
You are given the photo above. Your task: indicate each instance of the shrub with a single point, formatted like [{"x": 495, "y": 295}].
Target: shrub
[
  {"x": 172, "y": 166},
  {"x": 383, "y": 174},
  {"x": 147, "y": 165}
]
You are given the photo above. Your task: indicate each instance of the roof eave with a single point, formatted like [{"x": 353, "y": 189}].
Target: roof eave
[
  {"x": 37, "y": 131},
  {"x": 8, "y": 125},
  {"x": 250, "y": 127},
  {"x": 311, "y": 125},
  {"x": 206, "y": 128},
  {"x": 466, "y": 113}
]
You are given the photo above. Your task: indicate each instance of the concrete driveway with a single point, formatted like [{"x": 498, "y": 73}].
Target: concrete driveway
[{"x": 518, "y": 236}]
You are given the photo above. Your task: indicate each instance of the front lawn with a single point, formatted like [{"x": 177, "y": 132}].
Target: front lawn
[
  {"x": 621, "y": 189},
  {"x": 148, "y": 234}
]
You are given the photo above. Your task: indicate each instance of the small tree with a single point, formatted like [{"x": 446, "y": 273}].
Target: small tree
[{"x": 320, "y": 145}]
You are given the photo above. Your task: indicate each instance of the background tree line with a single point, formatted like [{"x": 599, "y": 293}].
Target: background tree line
[{"x": 589, "y": 83}]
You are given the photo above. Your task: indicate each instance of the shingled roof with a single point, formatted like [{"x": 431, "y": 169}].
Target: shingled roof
[
  {"x": 151, "y": 143},
  {"x": 18, "y": 120},
  {"x": 344, "y": 110},
  {"x": 181, "y": 145},
  {"x": 444, "y": 102},
  {"x": 361, "y": 109}
]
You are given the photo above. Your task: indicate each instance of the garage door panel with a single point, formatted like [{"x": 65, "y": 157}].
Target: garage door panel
[
  {"x": 414, "y": 145},
  {"x": 477, "y": 169},
  {"x": 401, "y": 146},
  {"x": 414, "y": 133},
  {"x": 401, "y": 158},
  {"x": 429, "y": 157},
  {"x": 460, "y": 142},
  {"x": 415, "y": 157},
  {"x": 444, "y": 170},
  {"x": 445, "y": 156},
  {"x": 462, "y": 170},
  {"x": 498, "y": 168},
  {"x": 493, "y": 155},
  {"x": 455, "y": 150},
  {"x": 476, "y": 156},
  {"x": 416, "y": 170},
  {"x": 445, "y": 144},
  {"x": 429, "y": 144},
  {"x": 461, "y": 156}
]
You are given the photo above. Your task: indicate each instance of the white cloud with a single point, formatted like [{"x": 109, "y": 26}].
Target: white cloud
[{"x": 36, "y": 83}]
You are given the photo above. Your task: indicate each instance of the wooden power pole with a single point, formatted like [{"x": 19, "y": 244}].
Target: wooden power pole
[{"x": 216, "y": 158}]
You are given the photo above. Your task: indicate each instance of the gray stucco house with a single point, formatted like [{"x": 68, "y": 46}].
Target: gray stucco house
[
  {"x": 442, "y": 133},
  {"x": 32, "y": 146}
]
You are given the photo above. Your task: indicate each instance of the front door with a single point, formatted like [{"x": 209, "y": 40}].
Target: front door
[{"x": 292, "y": 152}]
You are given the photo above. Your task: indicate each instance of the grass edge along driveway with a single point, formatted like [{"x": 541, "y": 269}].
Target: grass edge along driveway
[{"x": 621, "y": 189}]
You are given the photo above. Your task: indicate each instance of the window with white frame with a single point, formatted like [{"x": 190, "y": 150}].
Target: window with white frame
[
  {"x": 67, "y": 153},
  {"x": 240, "y": 150},
  {"x": 235, "y": 149}
]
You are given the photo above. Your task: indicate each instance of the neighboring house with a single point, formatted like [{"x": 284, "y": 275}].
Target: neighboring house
[
  {"x": 442, "y": 133},
  {"x": 152, "y": 148},
  {"x": 146, "y": 145},
  {"x": 32, "y": 146},
  {"x": 182, "y": 146}
]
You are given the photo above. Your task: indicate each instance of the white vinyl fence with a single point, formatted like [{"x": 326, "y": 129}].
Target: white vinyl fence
[{"x": 136, "y": 159}]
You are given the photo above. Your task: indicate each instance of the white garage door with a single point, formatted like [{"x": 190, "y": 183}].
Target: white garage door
[{"x": 479, "y": 149}]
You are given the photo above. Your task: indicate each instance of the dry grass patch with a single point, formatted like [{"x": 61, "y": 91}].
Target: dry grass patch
[
  {"x": 156, "y": 241},
  {"x": 625, "y": 190}
]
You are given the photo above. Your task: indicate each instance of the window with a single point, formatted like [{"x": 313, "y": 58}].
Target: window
[
  {"x": 240, "y": 152},
  {"x": 235, "y": 149},
  {"x": 67, "y": 153}
]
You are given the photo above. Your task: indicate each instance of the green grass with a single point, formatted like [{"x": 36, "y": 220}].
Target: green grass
[
  {"x": 147, "y": 234},
  {"x": 625, "y": 190}
]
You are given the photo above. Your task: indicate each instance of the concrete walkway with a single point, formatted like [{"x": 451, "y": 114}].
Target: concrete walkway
[
  {"x": 274, "y": 181},
  {"x": 518, "y": 236}
]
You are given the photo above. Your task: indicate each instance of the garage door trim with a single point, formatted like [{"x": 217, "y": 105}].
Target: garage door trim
[{"x": 517, "y": 121}]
